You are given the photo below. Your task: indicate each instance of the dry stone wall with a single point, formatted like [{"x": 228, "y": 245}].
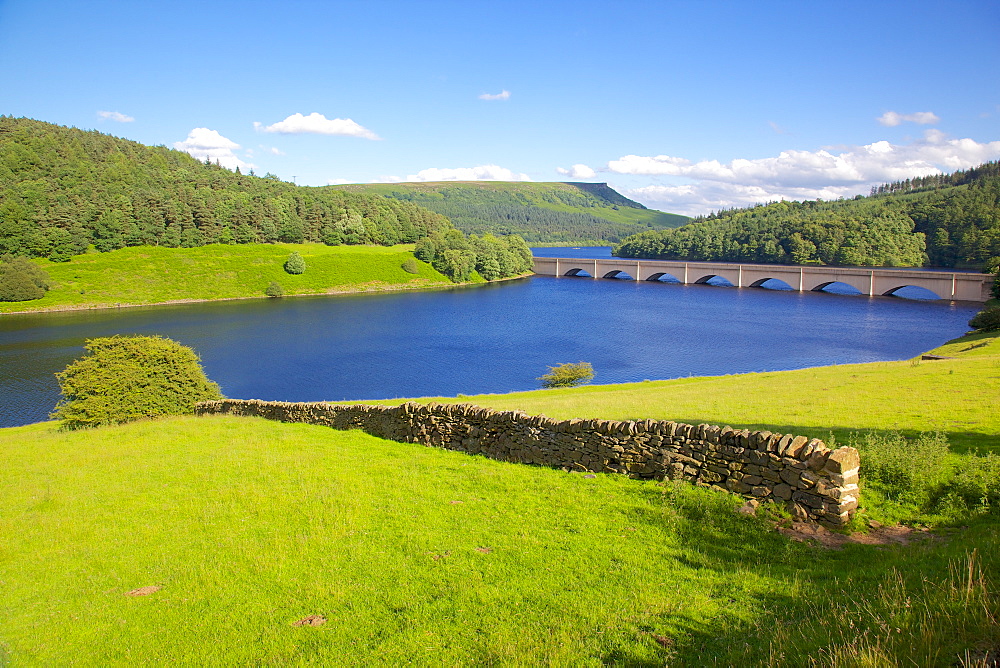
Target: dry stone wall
[{"x": 814, "y": 481}]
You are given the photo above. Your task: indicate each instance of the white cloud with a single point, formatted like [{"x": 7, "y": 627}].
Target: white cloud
[
  {"x": 203, "y": 143},
  {"x": 578, "y": 171},
  {"x": 317, "y": 124},
  {"x": 338, "y": 182},
  {"x": 480, "y": 173},
  {"x": 116, "y": 116},
  {"x": 827, "y": 173},
  {"x": 892, "y": 119},
  {"x": 272, "y": 150},
  {"x": 502, "y": 95}
]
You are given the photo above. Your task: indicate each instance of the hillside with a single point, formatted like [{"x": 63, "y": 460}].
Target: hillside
[
  {"x": 949, "y": 220},
  {"x": 541, "y": 213},
  {"x": 63, "y": 189},
  {"x": 156, "y": 275}
]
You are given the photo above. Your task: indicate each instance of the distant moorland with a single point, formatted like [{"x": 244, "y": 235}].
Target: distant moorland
[{"x": 541, "y": 213}]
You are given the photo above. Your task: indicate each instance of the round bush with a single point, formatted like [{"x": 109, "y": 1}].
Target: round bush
[
  {"x": 274, "y": 290},
  {"x": 295, "y": 264},
  {"x": 987, "y": 320},
  {"x": 126, "y": 378},
  {"x": 21, "y": 280}
]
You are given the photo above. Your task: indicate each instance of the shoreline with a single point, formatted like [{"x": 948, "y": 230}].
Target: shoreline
[{"x": 193, "y": 300}]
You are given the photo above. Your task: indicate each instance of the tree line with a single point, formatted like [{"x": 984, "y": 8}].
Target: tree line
[
  {"x": 64, "y": 189},
  {"x": 944, "y": 221}
]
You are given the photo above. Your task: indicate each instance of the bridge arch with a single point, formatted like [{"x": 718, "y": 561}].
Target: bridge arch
[
  {"x": 857, "y": 283},
  {"x": 618, "y": 274},
  {"x": 839, "y": 288},
  {"x": 577, "y": 271},
  {"x": 716, "y": 280},
  {"x": 909, "y": 291},
  {"x": 771, "y": 284},
  {"x": 663, "y": 277}
]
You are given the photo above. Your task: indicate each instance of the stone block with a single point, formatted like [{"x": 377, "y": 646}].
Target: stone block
[
  {"x": 760, "y": 491},
  {"x": 842, "y": 460},
  {"x": 782, "y": 491},
  {"x": 807, "y": 499}
]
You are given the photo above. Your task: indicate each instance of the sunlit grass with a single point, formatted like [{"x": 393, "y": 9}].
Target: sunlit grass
[
  {"x": 420, "y": 555},
  {"x": 150, "y": 275}
]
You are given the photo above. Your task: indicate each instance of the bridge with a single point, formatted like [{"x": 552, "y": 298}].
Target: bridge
[{"x": 866, "y": 280}]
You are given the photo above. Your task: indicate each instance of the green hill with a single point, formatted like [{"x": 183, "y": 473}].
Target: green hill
[
  {"x": 949, "y": 220},
  {"x": 541, "y": 213},
  {"x": 63, "y": 189}
]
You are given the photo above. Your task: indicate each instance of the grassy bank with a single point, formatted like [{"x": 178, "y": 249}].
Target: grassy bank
[
  {"x": 151, "y": 275},
  {"x": 958, "y": 397},
  {"x": 413, "y": 554}
]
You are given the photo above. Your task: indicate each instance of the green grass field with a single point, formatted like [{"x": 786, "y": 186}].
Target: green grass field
[
  {"x": 423, "y": 556},
  {"x": 151, "y": 275},
  {"x": 430, "y": 557}
]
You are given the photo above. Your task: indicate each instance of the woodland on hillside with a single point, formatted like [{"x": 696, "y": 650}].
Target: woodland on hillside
[
  {"x": 950, "y": 220},
  {"x": 540, "y": 213},
  {"x": 63, "y": 190}
]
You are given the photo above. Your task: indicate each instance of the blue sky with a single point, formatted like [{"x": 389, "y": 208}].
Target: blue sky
[{"x": 684, "y": 106}]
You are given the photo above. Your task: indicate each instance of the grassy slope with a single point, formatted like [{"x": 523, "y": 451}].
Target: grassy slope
[
  {"x": 149, "y": 275},
  {"x": 533, "y": 195},
  {"x": 957, "y": 396},
  {"x": 420, "y": 555}
]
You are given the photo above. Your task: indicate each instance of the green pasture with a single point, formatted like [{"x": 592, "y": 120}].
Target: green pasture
[
  {"x": 153, "y": 274},
  {"x": 413, "y": 555}
]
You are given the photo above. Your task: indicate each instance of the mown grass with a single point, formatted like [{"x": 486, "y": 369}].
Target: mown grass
[
  {"x": 959, "y": 398},
  {"x": 152, "y": 274},
  {"x": 417, "y": 555}
]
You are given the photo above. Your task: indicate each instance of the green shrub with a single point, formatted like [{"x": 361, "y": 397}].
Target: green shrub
[
  {"x": 126, "y": 378},
  {"x": 21, "y": 280},
  {"x": 274, "y": 290},
  {"x": 568, "y": 375},
  {"x": 295, "y": 264},
  {"x": 987, "y": 320},
  {"x": 410, "y": 266},
  {"x": 904, "y": 470}
]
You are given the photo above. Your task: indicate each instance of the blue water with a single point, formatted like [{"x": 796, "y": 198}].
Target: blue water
[{"x": 495, "y": 338}]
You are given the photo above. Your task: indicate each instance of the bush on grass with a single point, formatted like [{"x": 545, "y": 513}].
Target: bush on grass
[
  {"x": 127, "y": 378},
  {"x": 568, "y": 375},
  {"x": 410, "y": 266},
  {"x": 274, "y": 290},
  {"x": 987, "y": 320},
  {"x": 295, "y": 264},
  {"x": 21, "y": 280}
]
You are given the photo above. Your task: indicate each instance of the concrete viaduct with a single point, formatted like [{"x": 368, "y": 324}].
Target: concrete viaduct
[{"x": 868, "y": 281}]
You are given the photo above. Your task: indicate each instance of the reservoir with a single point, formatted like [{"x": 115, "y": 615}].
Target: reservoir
[{"x": 489, "y": 339}]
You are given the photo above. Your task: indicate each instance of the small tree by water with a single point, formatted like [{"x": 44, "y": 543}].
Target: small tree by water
[
  {"x": 127, "y": 378},
  {"x": 274, "y": 290},
  {"x": 570, "y": 374}
]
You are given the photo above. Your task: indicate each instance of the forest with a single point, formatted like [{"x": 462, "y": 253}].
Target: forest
[
  {"x": 948, "y": 220},
  {"x": 541, "y": 213},
  {"x": 63, "y": 189}
]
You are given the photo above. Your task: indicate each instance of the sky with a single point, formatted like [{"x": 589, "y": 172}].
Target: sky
[{"x": 687, "y": 107}]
